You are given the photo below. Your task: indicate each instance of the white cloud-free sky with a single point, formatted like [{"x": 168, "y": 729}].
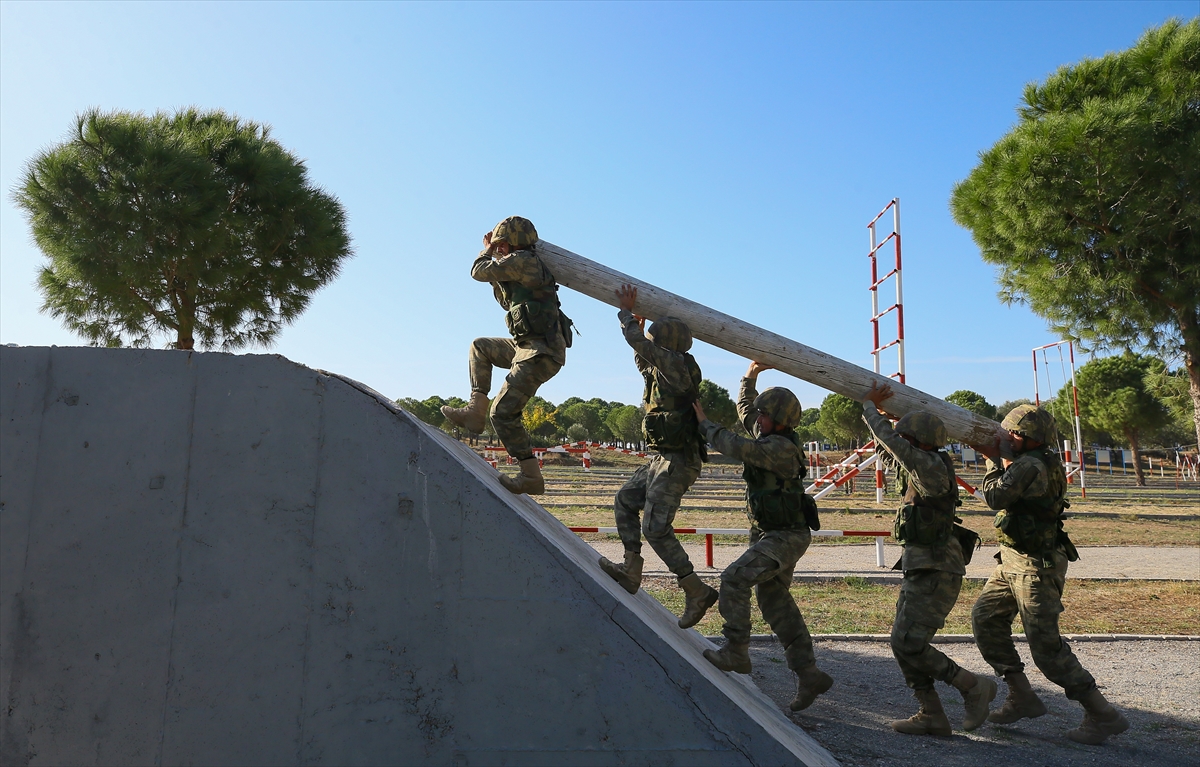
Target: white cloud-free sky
[{"x": 731, "y": 153}]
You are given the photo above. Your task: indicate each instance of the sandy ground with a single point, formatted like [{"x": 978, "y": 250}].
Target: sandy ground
[
  {"x": 834, "y": 560},
  {"x": 1155, "y": 683}
]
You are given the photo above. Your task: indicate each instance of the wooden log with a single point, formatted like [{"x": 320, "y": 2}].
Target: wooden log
[{"x": 754, "y": 343}]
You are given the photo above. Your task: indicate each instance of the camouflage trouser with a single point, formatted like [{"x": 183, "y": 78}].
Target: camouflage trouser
[
  {"x": 657, "y": 487},
  {"x": 1036, "y": 594},
  {"x": 520, "y": 384},
  {"x": 926, "y": 598},
  {"x": 768, "y": 565}
]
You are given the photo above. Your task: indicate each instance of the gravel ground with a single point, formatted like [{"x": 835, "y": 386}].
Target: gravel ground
[{"x": 1155, "y": 683}]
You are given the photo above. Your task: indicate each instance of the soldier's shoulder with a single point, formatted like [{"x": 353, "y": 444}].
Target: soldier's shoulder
[{"x": 780, "y": 443}]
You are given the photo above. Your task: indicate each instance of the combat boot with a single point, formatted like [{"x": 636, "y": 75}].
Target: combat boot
[
  {"x": 629, "y": 575},
  {"x": 734, "y": 656},
  {"x": 977, "y": 692},
  {"x": 811, "y": 682},
  {"x": 473, "y": 417},
  {"x": 1100, "y": 719},
  {"x": 929, "y": 720},
  {"x": 529, "y": 481},
  {"x": 1020, "y": 703},
  {"x": 700, "y": 597}
]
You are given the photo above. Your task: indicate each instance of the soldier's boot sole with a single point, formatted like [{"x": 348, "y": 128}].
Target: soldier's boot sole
[
  {"x": 737, "y": 661},
  {"x": 1093, "y": 730},
  {"x": 976, "y": 701},
  {"x": 922, "y": 723},
  {"x": 618, "y": 574},
  {"x": 812, "y": 682}
]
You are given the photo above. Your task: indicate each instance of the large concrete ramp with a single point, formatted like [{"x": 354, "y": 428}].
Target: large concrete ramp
[{"x": 218, "y": 559}]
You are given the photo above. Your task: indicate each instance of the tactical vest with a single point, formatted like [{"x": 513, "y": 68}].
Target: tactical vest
[
  {"x": 1034, "y": 526},
  {"x": 670, "y": 422},
  {"x": 927, "y": 521},
  {"x": 779, "y": 503},
  {"x": 532, "y": 312}
]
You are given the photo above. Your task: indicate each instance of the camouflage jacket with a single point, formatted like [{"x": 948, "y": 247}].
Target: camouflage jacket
[
  {"x": 927, "y": 472},
  {"x": 525, "y": 267},
  {"x": 1025, "y": 477}
]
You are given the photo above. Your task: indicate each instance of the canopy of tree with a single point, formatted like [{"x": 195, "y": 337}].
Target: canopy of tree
[
  {"x": 969, "y": 400},
  {"x": 196, "y": 225},
  {"x": 841, "y": 420},
  {"x": 1089, "y": 205}
]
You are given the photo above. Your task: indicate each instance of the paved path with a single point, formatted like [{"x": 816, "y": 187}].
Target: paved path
[{"x": 1179, "y": 563}]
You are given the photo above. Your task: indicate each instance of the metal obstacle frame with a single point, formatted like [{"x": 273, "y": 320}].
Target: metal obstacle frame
[
  {"x": 1072, "y": 469},
  {"x": 875, "y": 245}
]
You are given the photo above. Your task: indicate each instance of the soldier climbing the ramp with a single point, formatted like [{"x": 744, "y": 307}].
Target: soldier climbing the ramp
[
  {"x": 1030, "y": 494},
  {"x": 670, "y": 428},
  {"x": 781, "y": 515},
  {"x": 934, "y": 563},
  {"x": 541, "y": 334}
]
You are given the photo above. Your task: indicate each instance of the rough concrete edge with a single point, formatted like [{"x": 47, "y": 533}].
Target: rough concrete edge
[
  {"x": 765, "y": 713},
  {"x": 970, "y": 638},
  {"x": 897, "y": 578}
]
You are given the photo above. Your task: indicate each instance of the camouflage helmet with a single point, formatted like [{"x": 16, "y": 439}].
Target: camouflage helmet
[
  {"x": 925, "y": 428},
  {"x": 780, "y": 405},
  {"x": 1031, "y": 422},
  {"x": 516, "y": 231},
  {"x": 670, "y": 333}
]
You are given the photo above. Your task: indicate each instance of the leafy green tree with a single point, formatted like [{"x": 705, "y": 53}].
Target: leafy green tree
[
  {"x": 625, "y": 423},
  {"x": 717, "y": 404},
  {"x": 969, "y": 400},
  {"x": 196, "y": 225},
  {"x": 1089, "y": 205},
  {"x": 1114, "y": 398},
  {"x": 1171, "y": 387},
  {"x": 1006, "y": 407},
  {"x": 430, "y": 410},
  {"x": 587, "y": 416},
  {"x": 807, "y": 428},
  {"x": 841, "y": 420}
]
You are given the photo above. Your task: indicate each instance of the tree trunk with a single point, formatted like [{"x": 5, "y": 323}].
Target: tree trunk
[
  {"x": 1132, "y": 436},
  {"x": 187, "y": 324},
  {"x": 731, "y": 334},
  {"x": 1189, "y": 329}
]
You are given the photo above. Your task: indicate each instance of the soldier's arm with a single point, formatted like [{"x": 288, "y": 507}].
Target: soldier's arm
[
  {"x": 924, "y": 467},
  {"x": 669, "y": 365},
  {"x": 747, "y": 393},
  {"x": 1003, "y": 487},
  {"x": 522, "y": 267},
  {"x": 766, "y": 452}
]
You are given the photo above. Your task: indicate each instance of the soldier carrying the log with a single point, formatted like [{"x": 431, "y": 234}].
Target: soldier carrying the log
[
  {"x": 936, "y": 551},
  {"x": 541, "y": 335},
  {"x": 781, "y": 515},
  {"x": 670, "y": 428},
  {"x": 1029, "y": 494}
]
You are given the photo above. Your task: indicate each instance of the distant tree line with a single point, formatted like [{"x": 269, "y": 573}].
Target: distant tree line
[{"x": 1128, "y": 400}]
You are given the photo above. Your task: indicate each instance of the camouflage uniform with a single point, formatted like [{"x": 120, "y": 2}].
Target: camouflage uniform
[
  {"x": 771, "y": 559},
  {"x": 932, "y": 574},
  {"x": 1031, "y": 586},
  {"x": 658, "y": 487},
  {"x": 531, "y": 361}
]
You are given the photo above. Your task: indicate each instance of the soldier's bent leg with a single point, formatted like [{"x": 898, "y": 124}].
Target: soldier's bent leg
[
  {"x": 785, "y": 619},
  {"x": 487, "y": 353},
  {"x": 991, "y": 621},
  {"x": 926, "y": 598},
  {"x": 747, "y": 571},
  {"x": 669, "y": 477},
  {"x": 627, "y": 509},
  {"x": 1039, "y": 598},
  {"x": 520, "y": 385}
]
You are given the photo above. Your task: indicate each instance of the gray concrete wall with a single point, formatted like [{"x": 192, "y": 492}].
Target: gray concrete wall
[{"x": 218, "y": 559}]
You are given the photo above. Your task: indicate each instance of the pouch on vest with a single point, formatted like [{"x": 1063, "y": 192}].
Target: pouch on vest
[
  {"x": 670, "y": 429},
  {"x": 811, "y": 516},
  {"x": 568, "y": 328},
  {"x": 530, "y": 318},
  {"x": 922, "y": 526},
  {"x": 969, "y": 540},
  {"x": 778, "y": 511}
]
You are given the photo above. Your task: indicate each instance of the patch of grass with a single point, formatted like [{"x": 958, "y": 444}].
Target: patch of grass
[{"x": 855, "y": 606}]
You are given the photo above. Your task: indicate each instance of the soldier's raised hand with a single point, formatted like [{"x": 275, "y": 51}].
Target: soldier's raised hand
[
  {"x": 877, "y": 394},
  {"x": 626, "y": 297},
  {"x": 756, "y": 368}
]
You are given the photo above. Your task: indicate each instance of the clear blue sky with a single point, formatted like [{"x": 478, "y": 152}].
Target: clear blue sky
[{"x": 731, "y": 153}]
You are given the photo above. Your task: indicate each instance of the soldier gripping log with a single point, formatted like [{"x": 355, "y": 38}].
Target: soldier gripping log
[
  {"x": 1029, "y": 494},
  {"x": 541, "y": 334},
  {"x": 934, "y": 563},
  {"x": 781, "y": 516},
  {"x": 670, "y": 428}
]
